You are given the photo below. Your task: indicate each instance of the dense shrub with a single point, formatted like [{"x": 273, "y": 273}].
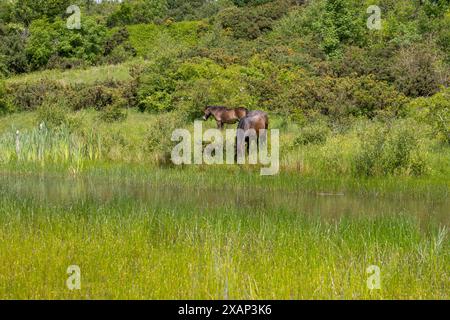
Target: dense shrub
[
  {"x": 13, "y": 57},
  {"x": 138, "y": 11},
  {"x": 25, "y": 11},
  {"x": 97, "y": 97},
  {"x": 388, "y": 150},
  {"x": 52, "y": 113},
  {"x": 341, "y": 97},
  {"x": 63, "y": 63},
  {"x": 202, "y": 82},
  {"x": 5, "y": 104},
  {"x": 156, "y": 84},
  {"x": 29, "y": 95},
  {"x": 6, "y": 8},
  {"x": 250, "y": 23},
  {"x": 416, "y": 71},
  {"x": 434, "y": 111},
  {"x": 151, "y": 40},
  {"x": 314, "y": 133},
  {"x": 328, "y": 24},
  {"x": 377, "y": 60},
  {"x": 191, "y": 85},
  {"x": 118, "y": 47},
  {"x": 194, "y": 9},
  {"x": 54, "y": 39},
  {"x": 114, "y": 112},
  {"x": 158, "y": 137},
  {"x": 242, "y": 3},
  {"x": 158, "y": 101},
  {"x": 192, "y": 97}
]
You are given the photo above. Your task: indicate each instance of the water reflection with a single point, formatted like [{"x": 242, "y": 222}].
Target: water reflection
[{"x": 64, "y": 191}]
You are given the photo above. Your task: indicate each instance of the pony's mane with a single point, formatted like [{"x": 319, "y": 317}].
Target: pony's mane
[{"x": 216, "y": 108}]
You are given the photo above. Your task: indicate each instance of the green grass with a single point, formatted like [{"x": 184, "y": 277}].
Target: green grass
[
  {"x": 142, "y": 231},
  {"x": 87, "y": 76},
  {"x": 137, "y": 141},
  {"x": 133, "y": 249}
]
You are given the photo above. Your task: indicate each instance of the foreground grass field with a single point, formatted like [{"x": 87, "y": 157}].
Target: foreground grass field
[{"x": 159, "y": 238}]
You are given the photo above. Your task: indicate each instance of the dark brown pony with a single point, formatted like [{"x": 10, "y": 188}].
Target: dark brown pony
[
  {"x": 224, "y": 115},
  {"x": 257, "y": 121}
]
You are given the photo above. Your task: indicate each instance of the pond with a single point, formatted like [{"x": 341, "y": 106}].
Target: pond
[{"x": 50, "y": 190}]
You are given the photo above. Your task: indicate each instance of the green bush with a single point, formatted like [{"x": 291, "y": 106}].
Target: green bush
[
  {"x": 118, "y": 48},
  {"x": 156, "y": 84},
  {"x": 5, "y": 104},
  {"x": 98, "y": 97},
  {"x": 49, "y": 39},
  {"x": 329, "y": 24},
  {"x": 341, "y": 97},
  {"x": 159, "y": 101},
  {"x": 158, "y": 137},
  {"x": 189, "y": 86},
  {"x": 52, "y": 113},
  {"x": 115, "y": 112},
  {"x": 314, "y": 133},
  {"x": 390, "y": 150},
  {"x": 13, "y": 58},
  {"x": 252, "y": 22},
  {"x": 201, "y": 82},
  {"x": 434, "y": 111},
  {"x": 416, "y": 70},
  {"x": 29, "y": 95},
  {"x": 165, "y": 40},
  {"x": 6, "y": 8},
  {"x": 194, "y": 9},
  {"x": 25, "y": 11},
  {"x": 138, "y": 11}
]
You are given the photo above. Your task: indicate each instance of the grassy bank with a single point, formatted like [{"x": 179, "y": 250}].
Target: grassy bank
[
  {"x": 119, "y": 72},
  {"x": 359, "y": 149}
]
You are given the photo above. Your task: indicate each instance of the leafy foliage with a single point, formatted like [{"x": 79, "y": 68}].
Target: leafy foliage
[
  {"x": 5, "y": 104},
  {"x": 387, "y": 150},
  {"x": 48, "y": 40},
  {"x": 250, "y": 23},
  {"x": 138, "y": 11},
  {"x": 434, "y": 111},
  {"x": 25, "y": 11}
]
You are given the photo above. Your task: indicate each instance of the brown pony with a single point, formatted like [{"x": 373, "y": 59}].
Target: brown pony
[
  {"x": 257, "y": 121},
  {"x": 224, "y": 115}
]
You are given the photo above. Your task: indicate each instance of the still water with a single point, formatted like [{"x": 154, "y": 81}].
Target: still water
[{"x": 57, "y": 191}]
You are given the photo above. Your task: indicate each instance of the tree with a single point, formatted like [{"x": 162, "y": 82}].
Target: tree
[
  {"x": 12, "y": 49},
  {"x": 53, "y": 39},
  {"x": 25, "y": 11}
]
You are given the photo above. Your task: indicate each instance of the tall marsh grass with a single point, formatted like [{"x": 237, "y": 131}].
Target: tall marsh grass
[
  {"x": 365, "y": 149},
  {"x": 128, "y": 249},
  {"x": 45, "y": 146}
]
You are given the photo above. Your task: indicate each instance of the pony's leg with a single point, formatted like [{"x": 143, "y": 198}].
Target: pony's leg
[
  {"x": 247, "y": 145},
  {"x": 219, "y": 125},
  {"x": 263, "y": 137}
]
